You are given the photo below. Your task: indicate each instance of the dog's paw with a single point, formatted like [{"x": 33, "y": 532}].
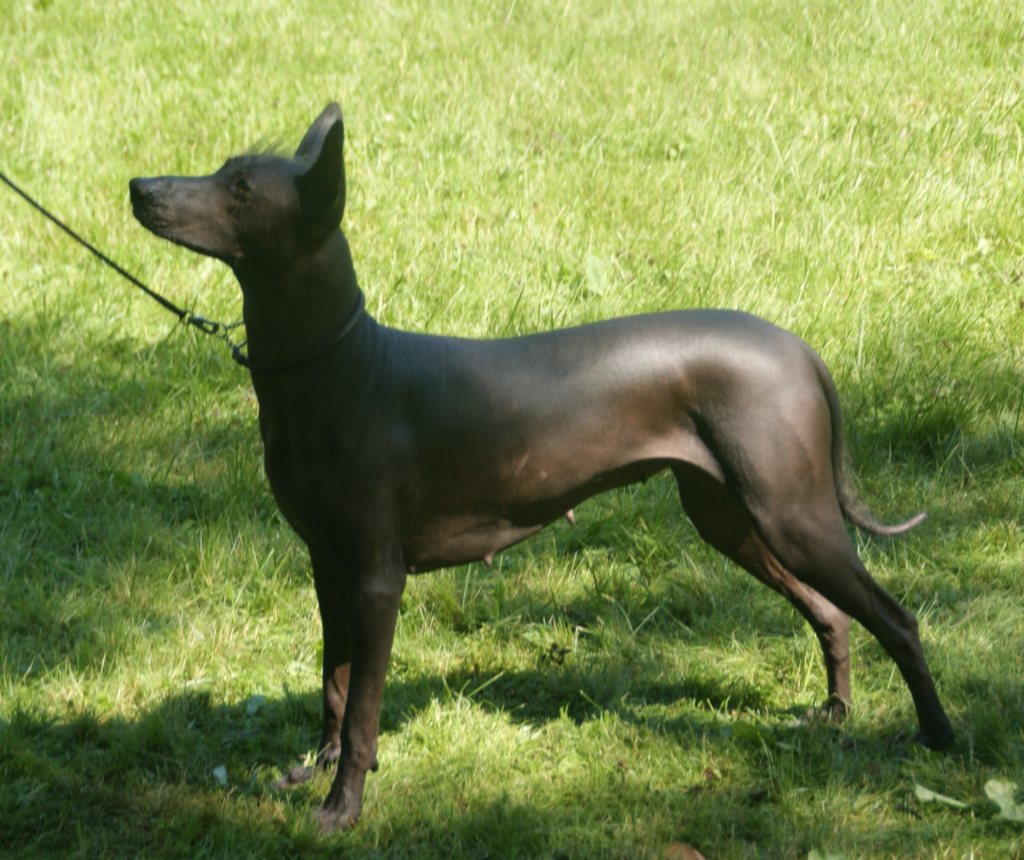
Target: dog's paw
[
  {"x": 833, "y": 710},
  {"x": 296, "y": 776},
  {"x": 332, "y": 820},
  {"x": 937, "y": 741}
]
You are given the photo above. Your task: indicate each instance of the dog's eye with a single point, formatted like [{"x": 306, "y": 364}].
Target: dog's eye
[{"x": 242, "y": 187}]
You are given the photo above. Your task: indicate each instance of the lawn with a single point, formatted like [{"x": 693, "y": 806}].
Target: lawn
[{"x": 851, "y": 171}]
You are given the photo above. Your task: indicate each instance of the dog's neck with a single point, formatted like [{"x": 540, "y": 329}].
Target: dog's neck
[{"x": 290, "y": 311}]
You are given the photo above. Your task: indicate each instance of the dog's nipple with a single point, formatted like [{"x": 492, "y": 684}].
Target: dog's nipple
[
  {"x": 488, "y": 559},
  {"x": 571, "y": 517}
]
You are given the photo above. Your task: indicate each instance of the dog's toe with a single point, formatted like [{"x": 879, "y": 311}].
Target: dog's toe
[{"x": 296, "y": 776}]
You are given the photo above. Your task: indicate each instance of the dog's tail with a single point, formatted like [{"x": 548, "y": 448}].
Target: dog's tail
[{"x": 852, "y": 507}]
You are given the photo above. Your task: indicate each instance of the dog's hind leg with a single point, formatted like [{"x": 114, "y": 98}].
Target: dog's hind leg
[
  {"x": 775, "y": 444},
  {"x": 726, "y": 525},
  {"x": 332, "y": 597},
  {"x": 812, "y": 543},
  {"x": 785, "y": 481}
]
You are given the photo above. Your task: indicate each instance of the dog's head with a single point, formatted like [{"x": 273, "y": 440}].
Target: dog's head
[{"x": 257, "y": 211}]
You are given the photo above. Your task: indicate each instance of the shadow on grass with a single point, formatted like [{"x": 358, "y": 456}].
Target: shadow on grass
[
  {"x": 83, "y": 786},
  {"x": 113, "y": 460},
  {"x": 546, "y": 694}
]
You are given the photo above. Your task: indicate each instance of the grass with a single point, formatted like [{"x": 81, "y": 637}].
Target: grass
[{"x": 852, "y": 172}]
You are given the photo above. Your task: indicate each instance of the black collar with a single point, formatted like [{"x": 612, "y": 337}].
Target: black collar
[{"x": 310, "y": 356}]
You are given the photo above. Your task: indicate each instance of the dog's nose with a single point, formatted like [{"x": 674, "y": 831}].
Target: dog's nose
[{"x": 138, "y": 190}]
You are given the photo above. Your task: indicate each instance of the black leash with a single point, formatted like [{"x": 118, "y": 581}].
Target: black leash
[{"x": 215, "y": 329}]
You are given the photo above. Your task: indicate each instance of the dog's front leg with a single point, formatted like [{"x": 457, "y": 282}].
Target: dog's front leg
[
  {"x": 332, "y": 597},
  {"x": 374, "y": 592}
]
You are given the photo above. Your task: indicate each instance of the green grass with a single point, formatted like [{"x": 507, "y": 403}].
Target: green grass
[{"x": 851, "y": 171}]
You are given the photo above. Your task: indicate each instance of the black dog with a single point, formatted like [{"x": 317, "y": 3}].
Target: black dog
[{"x": 393, "y": 453}]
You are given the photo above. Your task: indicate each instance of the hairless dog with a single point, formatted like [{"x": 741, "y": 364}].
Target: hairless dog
[{"x": 392, "y": 453}]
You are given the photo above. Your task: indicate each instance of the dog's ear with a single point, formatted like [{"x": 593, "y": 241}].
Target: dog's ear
[
  {"x": 322, "y": 187},
  {"x": 312, "y": 142}
]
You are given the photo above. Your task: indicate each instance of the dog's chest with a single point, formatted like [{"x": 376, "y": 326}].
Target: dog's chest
[{"x": 306, "y": 472}]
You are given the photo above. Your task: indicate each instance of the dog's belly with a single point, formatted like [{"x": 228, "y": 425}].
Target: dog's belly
[
  {"x": 459, "y": 540},
  {"x": 513, "y": 512}
]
